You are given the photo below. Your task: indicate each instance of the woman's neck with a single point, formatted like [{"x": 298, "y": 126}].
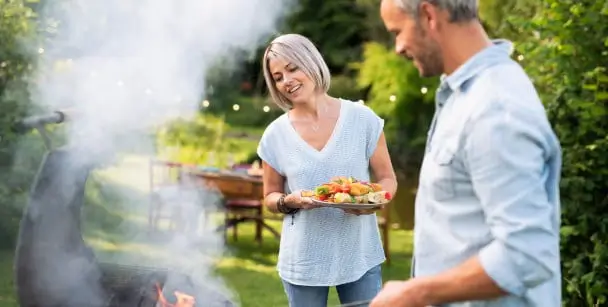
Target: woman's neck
[{"x": 314, "y": 108}]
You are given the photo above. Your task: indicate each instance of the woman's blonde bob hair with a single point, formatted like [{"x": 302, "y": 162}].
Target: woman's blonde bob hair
[{"x": 300, "y": 51}]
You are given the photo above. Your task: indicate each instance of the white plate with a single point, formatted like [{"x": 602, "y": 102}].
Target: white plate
[{"x": 346, "y": 205}]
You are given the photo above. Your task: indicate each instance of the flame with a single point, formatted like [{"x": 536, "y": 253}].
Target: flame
[{"x": 183, "y": 299}]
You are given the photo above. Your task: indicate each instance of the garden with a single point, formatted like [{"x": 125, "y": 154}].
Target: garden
[{"x": 562, "y": 45}]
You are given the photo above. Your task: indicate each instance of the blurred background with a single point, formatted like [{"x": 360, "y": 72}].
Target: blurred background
[{"x": 563, "y": 45}]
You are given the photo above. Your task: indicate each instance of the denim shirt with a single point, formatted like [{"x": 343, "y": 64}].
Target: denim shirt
[{"x": 489, "y": 182}]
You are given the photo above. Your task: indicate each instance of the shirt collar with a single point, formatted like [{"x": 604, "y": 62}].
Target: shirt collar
[{"x": 489, "y": 56}]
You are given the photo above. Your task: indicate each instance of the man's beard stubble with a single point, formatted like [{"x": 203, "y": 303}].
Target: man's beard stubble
[{"x": 430, "y": 59}]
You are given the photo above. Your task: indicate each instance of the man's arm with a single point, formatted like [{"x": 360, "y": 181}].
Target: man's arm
[{"x": 506, "y": 153}]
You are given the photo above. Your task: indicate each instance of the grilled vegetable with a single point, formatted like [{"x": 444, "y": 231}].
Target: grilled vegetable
[
  {"x": 350, "y": 190},
  {"x": 322, "y": 190}
]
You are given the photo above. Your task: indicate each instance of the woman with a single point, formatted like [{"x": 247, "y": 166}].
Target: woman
[{"x": 320, "y": 137}]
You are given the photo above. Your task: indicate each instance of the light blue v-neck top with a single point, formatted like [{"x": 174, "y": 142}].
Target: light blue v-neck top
[{"x": 325, "y": 246}]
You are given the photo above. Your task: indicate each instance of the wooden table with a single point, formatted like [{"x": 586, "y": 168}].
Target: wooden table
[{"x": 242, "y": 197}]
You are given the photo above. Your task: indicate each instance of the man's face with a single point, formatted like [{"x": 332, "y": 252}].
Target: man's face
[{"x": 412, "y": 36}]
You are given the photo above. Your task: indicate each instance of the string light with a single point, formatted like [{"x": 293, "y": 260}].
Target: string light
[
  {"x": 205, "y": 103},
  {"x": 235, "y": 107},
  {"x": 266, "y": 109},
  {"x": 392, "y": 98},
  {"x": 520, "y": 57},
  {"x": 424, "y": 90}
]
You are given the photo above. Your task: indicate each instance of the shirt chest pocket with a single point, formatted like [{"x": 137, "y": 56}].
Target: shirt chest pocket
[{"x": 441, "y": 173}]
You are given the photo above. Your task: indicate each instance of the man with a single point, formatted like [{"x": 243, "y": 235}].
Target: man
[{"x": 487, "y": 208}]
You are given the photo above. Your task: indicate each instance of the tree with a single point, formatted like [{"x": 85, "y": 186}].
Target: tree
[
  {"x": 374, "y": 27},
  {"x": 15, "y": 28},
  {"x": 334, "y": 26},
  {"x": 568, "y": 60},
  {"x": 398, "y": 94}
]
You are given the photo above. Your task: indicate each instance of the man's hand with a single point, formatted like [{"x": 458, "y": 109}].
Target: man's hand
[{"x": 409, "y": 293}]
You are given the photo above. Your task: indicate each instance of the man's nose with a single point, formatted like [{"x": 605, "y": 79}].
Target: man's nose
[{"x": 399, "y": 48}]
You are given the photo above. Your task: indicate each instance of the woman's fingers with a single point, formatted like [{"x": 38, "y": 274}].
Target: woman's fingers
[{"x": 307, "y": 203}]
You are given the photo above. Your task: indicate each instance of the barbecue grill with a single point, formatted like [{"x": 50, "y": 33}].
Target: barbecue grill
[
  {"x": 131, "y": 285},
  {"x": 53, "y": 265}
]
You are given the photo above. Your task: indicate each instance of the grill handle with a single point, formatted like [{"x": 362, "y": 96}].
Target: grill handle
[
  {"x": 39, "y": 122},
  {"x": 36, "y": 121}
]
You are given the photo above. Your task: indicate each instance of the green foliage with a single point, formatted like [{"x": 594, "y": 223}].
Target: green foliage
[
  {"x": 567, "y": 59},
  {"x": 407, "y": 118},
  {"x": 343, "y": 86},
  {"x": 374, "y": 27},
  {"x": 15, "y": 28},
  {"x": 496, "y": 15},
  {"x": 251, "y": 112},
  {"x": 14, "y": 65},
  {"x": 334, "y": 26},
  {"x": 206, "y": 140}
]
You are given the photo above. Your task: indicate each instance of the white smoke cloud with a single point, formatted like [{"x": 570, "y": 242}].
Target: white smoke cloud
[{"x": 126, "y": 66}]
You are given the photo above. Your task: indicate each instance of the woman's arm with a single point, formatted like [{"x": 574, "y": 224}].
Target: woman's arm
[
  {"x": 273, "y": 187},
  {"x": 382, "y": 167}
]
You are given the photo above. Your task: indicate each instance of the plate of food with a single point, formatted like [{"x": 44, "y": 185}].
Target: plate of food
[{"x": 349, "y": 193}]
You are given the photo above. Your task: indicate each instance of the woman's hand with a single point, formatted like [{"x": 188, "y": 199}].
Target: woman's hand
[{"x": 295, "y": 200}]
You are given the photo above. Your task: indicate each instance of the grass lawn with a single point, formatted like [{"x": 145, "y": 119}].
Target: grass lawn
[
  {"x": 7, "y": 294},
  {"x": 250, "y": 271},
  {"x": 247, "y": 269}
]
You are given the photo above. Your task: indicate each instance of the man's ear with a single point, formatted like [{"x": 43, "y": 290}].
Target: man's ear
[{"x": 429, "y": 15}]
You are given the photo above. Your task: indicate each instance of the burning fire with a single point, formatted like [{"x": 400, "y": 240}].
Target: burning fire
[{"x": 183, "y": 299}]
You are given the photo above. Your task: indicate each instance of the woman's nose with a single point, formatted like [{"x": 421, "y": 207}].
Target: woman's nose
[{"x": 287, "y": 80}]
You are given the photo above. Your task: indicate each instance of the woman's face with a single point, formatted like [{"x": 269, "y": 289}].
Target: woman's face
[{"x": 291, "y": 81}]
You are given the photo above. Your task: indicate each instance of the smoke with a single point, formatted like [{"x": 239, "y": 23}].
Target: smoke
[
  {"x": 125, "y": 67},
  {"x": 129, "y": 65}
]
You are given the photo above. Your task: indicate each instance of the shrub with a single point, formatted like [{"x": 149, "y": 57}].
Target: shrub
[{"x": 567, "y": 59}]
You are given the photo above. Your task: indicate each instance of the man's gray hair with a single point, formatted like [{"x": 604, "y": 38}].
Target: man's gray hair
[{"x": 459, "y": 10}]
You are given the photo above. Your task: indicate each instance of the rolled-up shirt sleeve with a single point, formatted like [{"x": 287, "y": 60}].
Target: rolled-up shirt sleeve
[{"x": 506, "y": 152}]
